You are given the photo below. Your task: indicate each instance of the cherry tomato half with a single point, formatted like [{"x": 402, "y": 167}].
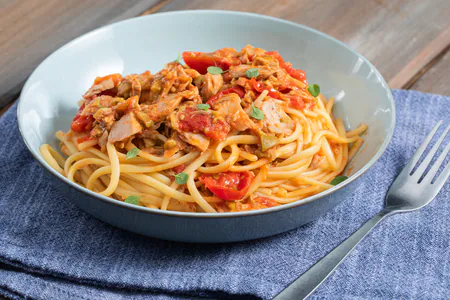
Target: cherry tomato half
[
  {"x": 228, "y": 186},
  {"x": 200, "y": 61}
]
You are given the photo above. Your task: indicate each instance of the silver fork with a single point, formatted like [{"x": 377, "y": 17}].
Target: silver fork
[{"x": 411, "y": 190}]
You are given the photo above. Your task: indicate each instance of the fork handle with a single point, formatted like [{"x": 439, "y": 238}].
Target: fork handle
[{"x": 309, "y": 281}]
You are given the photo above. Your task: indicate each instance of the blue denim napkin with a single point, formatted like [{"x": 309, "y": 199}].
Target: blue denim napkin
[{"x": 52, "y": 250}]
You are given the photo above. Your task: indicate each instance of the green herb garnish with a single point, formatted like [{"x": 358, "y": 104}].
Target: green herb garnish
[
  {"x": 253, "y": 72},
  {"x": 314, "y": 90},
  {"x": 132, "y": 153},
  {"x": 214, "y": 70},
  {"x": 181, "y": 178},
  {"x": 178, "y": 60},
  {"x": 133, "y": 200},
  {"x": 338, "y": 179},
  {"x": 204, "y": 107},
  {"x": 257, "y": 113}
]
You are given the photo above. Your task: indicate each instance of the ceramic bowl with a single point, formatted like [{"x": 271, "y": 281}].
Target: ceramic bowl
[{"x": 49, "y": 101}]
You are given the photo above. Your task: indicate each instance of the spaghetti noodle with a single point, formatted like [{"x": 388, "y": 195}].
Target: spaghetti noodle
[{"x": 226, "y": 131}]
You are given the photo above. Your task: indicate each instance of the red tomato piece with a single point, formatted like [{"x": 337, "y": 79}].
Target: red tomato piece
[
  {"x": 200, "y": 61},
  {"x": 228, "y": 186},
  {"x": 273, "y": 93},
  {"x": 194, "y": 120},
  {"x": 297, "y": 102},
  {"x": 218, "y": 130},
  {"x": 256, "y": 85},
  {"x": 81, "y": 123},
  {"x": 238, "y": 90},
  {"x": 202, "y": 122},
  {"x": 259, "y": 87},
  {"x": 295, "y": 73}
]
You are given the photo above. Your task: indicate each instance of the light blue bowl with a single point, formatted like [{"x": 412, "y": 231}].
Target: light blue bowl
[{"x": 49, "y": 101}]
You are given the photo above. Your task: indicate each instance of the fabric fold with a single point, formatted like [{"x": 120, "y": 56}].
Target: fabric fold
[{"x": 56, "y": 251}]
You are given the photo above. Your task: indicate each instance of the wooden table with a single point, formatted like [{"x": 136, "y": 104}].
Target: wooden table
[{"x": 407, "y": 40}]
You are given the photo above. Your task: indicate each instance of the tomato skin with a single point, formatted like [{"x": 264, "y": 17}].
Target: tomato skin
[
  {"x": 194, "y": 120},
  {"x": 259, "y": 87},
  {"x": 81, "y": 123},
  {"x": 218, "y": 131},
  {"x": 297, "y": 103},
  {"x": 200, "y": 61},
  {"x": 295, "y": 73},
  {"x": 228, "y": 186},
  {"x": 237, "y": 90},
  {"x": 256, "y": 85},
  {"x": 202, "y": 122}
]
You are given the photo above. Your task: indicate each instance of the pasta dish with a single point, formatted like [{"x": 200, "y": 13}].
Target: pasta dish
[{"x": 224, "y": 131}]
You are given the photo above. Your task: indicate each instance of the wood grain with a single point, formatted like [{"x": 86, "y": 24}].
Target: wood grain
[
  {"x": 401, "y": 37},
  {"x": 31, "y": 30},
  {"x": 437, "y": 79},
  {"x": 390, "y": 33},
  {"x": 422, "y": 62}
]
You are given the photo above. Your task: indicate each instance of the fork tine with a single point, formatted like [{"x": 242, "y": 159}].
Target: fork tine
[
  {"x": 424, "y": 164},
  {"x": 415, "y": 158},
  {"x": 442, "y": 177},
  {"x": 433, "y": 171}
]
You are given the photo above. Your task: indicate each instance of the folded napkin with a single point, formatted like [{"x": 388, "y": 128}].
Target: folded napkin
[{"x": 52, "y": 250}]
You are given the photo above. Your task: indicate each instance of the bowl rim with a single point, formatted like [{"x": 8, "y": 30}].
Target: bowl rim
[{"x": 219, "y": 215}]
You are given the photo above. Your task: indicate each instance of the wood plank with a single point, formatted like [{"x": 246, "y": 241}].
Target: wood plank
[
  {"x": 421, "y": 63},
  {"x": 31, "y": 30},
  {"x": 437, "y": 79},
  {"x": 390, "y": 33}
]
